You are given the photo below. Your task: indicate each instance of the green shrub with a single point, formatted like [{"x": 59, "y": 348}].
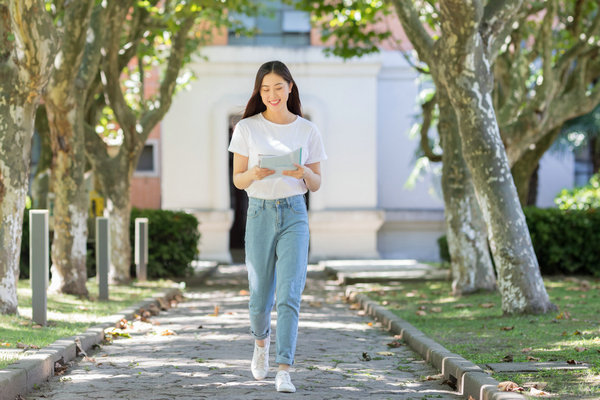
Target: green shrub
[
  {"x": 580, "y": 198},
  {"x": 443, "y": 248},
  {"x": 565, "y": 241},
  {"x": 172, "y": 241},
  {"x": 24, "y": 259}
]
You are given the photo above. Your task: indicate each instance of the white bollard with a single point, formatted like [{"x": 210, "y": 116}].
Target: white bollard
[
  {"x": 141, "y": 248},
  {"x": 102, "y": 255},
  {"x": 39, "y": 264}
]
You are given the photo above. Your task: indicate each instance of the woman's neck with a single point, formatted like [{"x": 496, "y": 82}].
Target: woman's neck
[{"x": 284, "y": 117}]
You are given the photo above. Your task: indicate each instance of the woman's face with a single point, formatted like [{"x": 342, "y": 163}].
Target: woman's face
[{"x": 274, "y": 92}]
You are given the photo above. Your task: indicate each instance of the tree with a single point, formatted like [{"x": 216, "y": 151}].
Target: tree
[
  {"x": 140, "y": 36},
  {"x": 76, "y": 66},
  {"x": 458, "y": 55},
  {"x": 28, "y": 47},
  {"x": 546, "y": 73}
]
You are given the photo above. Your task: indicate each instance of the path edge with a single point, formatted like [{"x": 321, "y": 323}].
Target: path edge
[
  {"x": 469, "y": 378},
  {"x": 20, "y": 377}
]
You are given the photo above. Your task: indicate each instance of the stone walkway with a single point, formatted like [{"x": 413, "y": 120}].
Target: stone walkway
[{"x": 208, "y": 354}]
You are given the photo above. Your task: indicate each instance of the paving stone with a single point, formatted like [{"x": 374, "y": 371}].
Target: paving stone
[{"x": 209, "y": 355}]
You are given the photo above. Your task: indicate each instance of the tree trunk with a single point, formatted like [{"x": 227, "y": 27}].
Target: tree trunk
[
  {"x": 524, "y": 168},
  {"x": 16, "y": 130},
  {"x": 115, "y": 186},
  {"x": 69, "y": 274},
  {"x": 595, "y": 154},
  {"x": 40, "y": 186},
  {"x": 465, "y": 71},
  {"x": 472, "y": 268},
  {"x": 27, "y": 48}
]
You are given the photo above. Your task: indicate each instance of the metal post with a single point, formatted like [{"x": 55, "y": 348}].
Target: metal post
[
  {"x": 102, "y": 256},
  {"x": 141, "y": 248},
  {"x": 39, "y": 263}
]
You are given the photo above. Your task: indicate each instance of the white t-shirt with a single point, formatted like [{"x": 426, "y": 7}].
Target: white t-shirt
[{"x": 256, "y": 135}]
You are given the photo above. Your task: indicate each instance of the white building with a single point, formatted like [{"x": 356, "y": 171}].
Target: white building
[{"x": 364, "y": 109}]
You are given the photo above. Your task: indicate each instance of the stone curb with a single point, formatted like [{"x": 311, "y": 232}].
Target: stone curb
[
  {"x": 469, "y": 378},
  {"x": 20, "y": 377}
]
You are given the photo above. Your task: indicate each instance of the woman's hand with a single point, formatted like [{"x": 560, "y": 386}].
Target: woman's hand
[
  {"x": 257, "y": 173},
  {"x": 242, "y": 176},
  {"x": 298, "y": 173}
]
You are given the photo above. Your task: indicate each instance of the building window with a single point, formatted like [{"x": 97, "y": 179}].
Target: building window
[
  {"x": 281, "y": 25},
  {"x": 148, "y": 162}
]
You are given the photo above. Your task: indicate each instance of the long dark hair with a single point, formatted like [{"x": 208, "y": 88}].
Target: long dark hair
[{"x": 255, "y": 104}]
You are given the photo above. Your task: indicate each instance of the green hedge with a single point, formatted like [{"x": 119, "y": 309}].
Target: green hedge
[
  {"x": 172, "y": 244},
  {"x": 565, "y": 241},
  {"x": 172, "y": 241}
]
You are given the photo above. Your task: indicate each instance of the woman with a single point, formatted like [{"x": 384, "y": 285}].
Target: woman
[{"x": 277, "y": 221}]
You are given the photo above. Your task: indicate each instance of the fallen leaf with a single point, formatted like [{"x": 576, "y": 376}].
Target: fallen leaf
[
  {"x": 366, "y": 356},
  {"x": 315, "y": 304},
  {"x": 436, "y": 309},
  {"x": 531, "y": 358},
  {"x": 487, "y": 305},
  {"x": 471, "y": 397},
  {"x": 507, "y": 328},
  {"x": 167, "y": 332},
  {"x": 462, "y": 305},
  {"x": 88, "y": 359},
  {"x": 385, "y": 353},
  {"x": 508, "y": 386},
  {"x": 121, "y": 324},
  {"x": 422, "y": 308},
  {"x": 585, "y": 285},
  {"x": 508, "y": 358},
  {"x": 421, "y": 313},
  {"x": 576, "y": 333},
  {"x": 573, "y": 362},
  {"x": 355, "y": 306},
  {"x": 243, "y": 292},
  {"x": 564, "y": 315},
  {"x": 394, "y": 344},
  {"x": 216, "y": 312},
  {"x": 536, "y": 392},
  {"x": 526, "y": 350},
  {"x": 162, "y": 303},
  {"x": 580, "y": 349},
  {"x": 36, "y": 326},
  {"x": 434, "y": 377}
]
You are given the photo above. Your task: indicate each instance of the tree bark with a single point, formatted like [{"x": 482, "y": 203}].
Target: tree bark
[
  {"x": 65, "y": 98},
  {"x": 471, "y": 264},
  {"x": 40, "y": 186},
  {"x": 465, "y": 71},
  {"x": 114, "y": 182},
  {"x": 28, "y": 45}
]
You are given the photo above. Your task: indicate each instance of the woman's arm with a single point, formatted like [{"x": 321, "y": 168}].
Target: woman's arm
[
  {"x": 311, "y": 173},
  {"x": 242, "y": 176}
]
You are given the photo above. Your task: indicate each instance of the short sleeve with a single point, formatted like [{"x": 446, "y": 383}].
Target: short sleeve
[
  {"x": 239, "y": 140},
  {"x": 316, "y": 150}
]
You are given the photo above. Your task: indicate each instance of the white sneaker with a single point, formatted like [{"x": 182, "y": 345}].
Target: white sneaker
[
  {"x": 260, "y": 361},
  {"x": 283, "y": 382}
]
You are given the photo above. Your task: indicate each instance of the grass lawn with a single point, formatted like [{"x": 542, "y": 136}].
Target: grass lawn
[
  {"x": 474, "y": 327},
  {"x": 67, "y": 314}
]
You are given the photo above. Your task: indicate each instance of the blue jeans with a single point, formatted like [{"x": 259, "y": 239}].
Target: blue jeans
[{"x": 276, "y": 257}]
